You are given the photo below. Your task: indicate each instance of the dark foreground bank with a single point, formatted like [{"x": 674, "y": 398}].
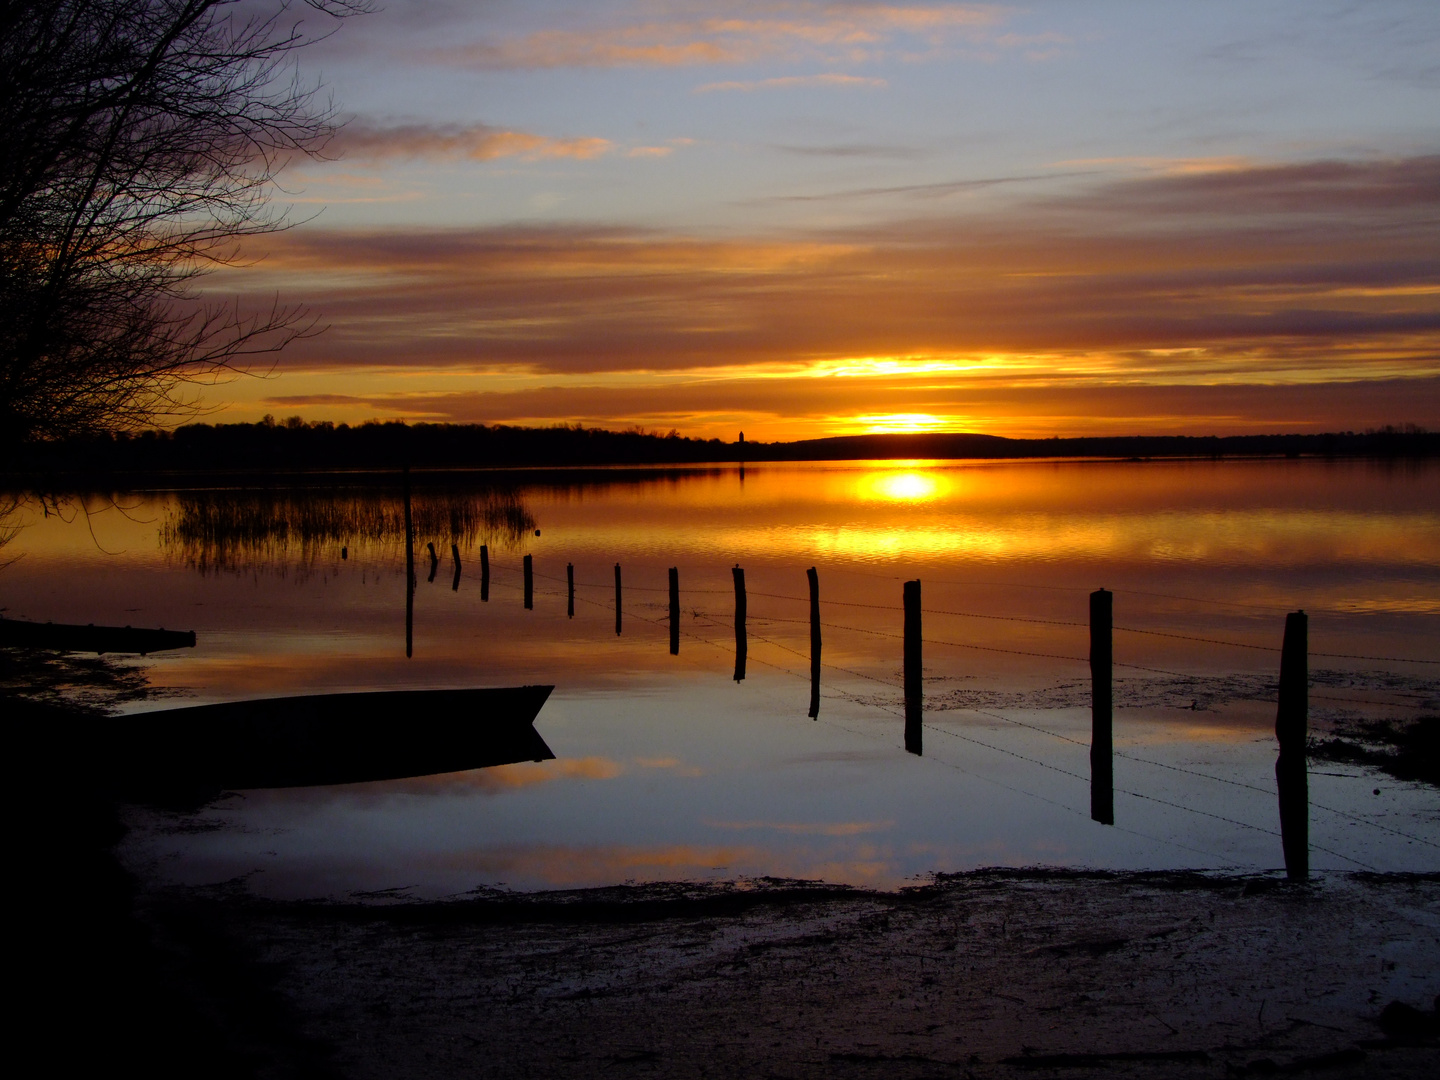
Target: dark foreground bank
[
  {"x": 986, "y": 974},
  {"x": 990, "y": 974}
]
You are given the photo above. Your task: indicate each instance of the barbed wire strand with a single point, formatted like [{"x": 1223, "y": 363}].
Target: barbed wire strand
[
  {"x": 1023, "y": 757},
  {"x": 1201, "y": 775}
]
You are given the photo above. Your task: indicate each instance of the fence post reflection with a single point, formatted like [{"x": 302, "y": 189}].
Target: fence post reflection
[
  {"x": 570, "y": 589},
  {"x": 741, "y": 644},
  {"x": 617, "y": 598},
  {"x": 455, "y": 558},
  {"x": 814, "y": 579},
  {"x": 1102, "y": 748},
  {"x": 529, "y": 583},
  {"x": 1291, "y": 720},
  {"x": 434, "y": 563},
  {"x": 914, "y": 693},
  {"x": 409, "y": 571},
  {"x": 484, "y": 573},
  {"x": 674, "y": 611}
]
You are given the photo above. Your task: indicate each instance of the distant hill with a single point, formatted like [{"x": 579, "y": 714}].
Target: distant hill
[
  {"x": 1390, "y": 442},
  {"x": 269, "y": 449}
]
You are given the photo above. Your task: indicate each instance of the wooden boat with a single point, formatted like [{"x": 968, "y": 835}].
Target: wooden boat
[
  {"x": 68, "y": 637},
  {"x": 198, "y": 751}
]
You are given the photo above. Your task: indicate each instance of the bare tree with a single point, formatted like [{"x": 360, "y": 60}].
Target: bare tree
[{"x": 140, "y": 141}]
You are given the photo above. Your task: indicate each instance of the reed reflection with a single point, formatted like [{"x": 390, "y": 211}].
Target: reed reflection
[{"x": 221, "y": 532}]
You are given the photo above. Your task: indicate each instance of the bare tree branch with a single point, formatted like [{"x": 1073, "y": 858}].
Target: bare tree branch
[{"x": 142, "y": 140}]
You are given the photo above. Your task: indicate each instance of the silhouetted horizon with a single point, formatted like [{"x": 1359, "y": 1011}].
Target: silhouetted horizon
[{"x": 295, "y": 446}]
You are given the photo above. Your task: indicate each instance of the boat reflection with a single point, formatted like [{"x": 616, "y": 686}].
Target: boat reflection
[{"x": 191, "y": 754}]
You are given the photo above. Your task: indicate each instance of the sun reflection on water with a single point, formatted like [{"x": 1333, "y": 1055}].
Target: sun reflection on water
[{"x": 907, "y": 486}]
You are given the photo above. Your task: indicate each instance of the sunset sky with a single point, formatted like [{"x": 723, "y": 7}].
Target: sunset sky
[{"x": 802, "y": 219}]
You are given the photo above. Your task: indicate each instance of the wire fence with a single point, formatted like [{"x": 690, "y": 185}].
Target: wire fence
[{"x": 705, "y": 625}]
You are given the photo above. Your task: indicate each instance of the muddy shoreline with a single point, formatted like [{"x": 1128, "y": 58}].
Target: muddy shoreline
[{"x": 989, "y": 973}]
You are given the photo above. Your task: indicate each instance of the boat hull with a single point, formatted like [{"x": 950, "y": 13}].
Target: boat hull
[{"x": 324, "y": 739}]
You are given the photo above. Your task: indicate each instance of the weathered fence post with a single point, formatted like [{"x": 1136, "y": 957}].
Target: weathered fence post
[
  {"x": 1102, "y": 746},
  {"x": 914, "y": 693},
  {"x": 570, "y": 589},
  {"x": 455, "y": 557},
  {"x": 740, "y": 642},
  {"x": 409, "y": 572},
  {"x": 529, "y": 583},
  {"x": 484, "y": 573},
  {"x": 814, "y": 642},
  {"x": 617, "y": 598},
  {"x": 674, "y": 611},
  {"x": 1290, "y": 770}
]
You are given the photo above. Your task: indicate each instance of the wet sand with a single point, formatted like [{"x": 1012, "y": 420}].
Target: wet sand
[{"x": 988, "y": 974}]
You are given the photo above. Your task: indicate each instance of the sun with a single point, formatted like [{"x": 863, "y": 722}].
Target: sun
[{"x": 898, "y": 423}]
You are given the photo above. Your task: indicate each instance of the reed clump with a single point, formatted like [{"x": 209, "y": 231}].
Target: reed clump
[{"x": 236, "y": 531}]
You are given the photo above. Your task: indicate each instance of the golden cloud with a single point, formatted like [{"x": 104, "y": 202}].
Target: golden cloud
[
  {"x": 1285, "y": 279},
  {"x": 854, "y": 33},
  {"x": 477, "y": 142}
]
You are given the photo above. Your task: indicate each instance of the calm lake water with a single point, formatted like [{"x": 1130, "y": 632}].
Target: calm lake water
[{"x": 668, "y": 768}]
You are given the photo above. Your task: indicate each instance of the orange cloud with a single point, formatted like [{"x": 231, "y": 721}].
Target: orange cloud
[
  {"x": 1169, "y": 292},
  {"x": 477, "y": 142},
  {"x": 1230, "y": 187},
  {"x": 855, "y": 33}
]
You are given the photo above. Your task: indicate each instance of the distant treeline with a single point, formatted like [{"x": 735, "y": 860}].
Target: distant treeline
[{"x": 295, "y": 446}]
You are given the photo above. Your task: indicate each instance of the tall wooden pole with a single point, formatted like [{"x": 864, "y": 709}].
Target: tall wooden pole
[
  {"x": 484, "y": 574},
  {"x": 529, "y": 583},
  {"x": 1291, "y": 721},
  {"x": 1102, "y": 747},
  {"x": 914, "y": 692}
]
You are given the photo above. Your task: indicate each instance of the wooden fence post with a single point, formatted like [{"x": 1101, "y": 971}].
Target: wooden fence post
[
  {"x": 1290, "y": 729},
  {"x": 529, "y": 583},
  {"x": 914, "y": 692},
  {"x": 570, "y": 589},
  {"x": 814, "y": 579},
  {"x": 617, "y": 598},
  {"x": 740, "y": 641},
  {"x": 1102, "y": 746},
  {"x": 455, "y": 557},
  {"x": 674, "y": 611},
  {"x": 484, "y": 573}
]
